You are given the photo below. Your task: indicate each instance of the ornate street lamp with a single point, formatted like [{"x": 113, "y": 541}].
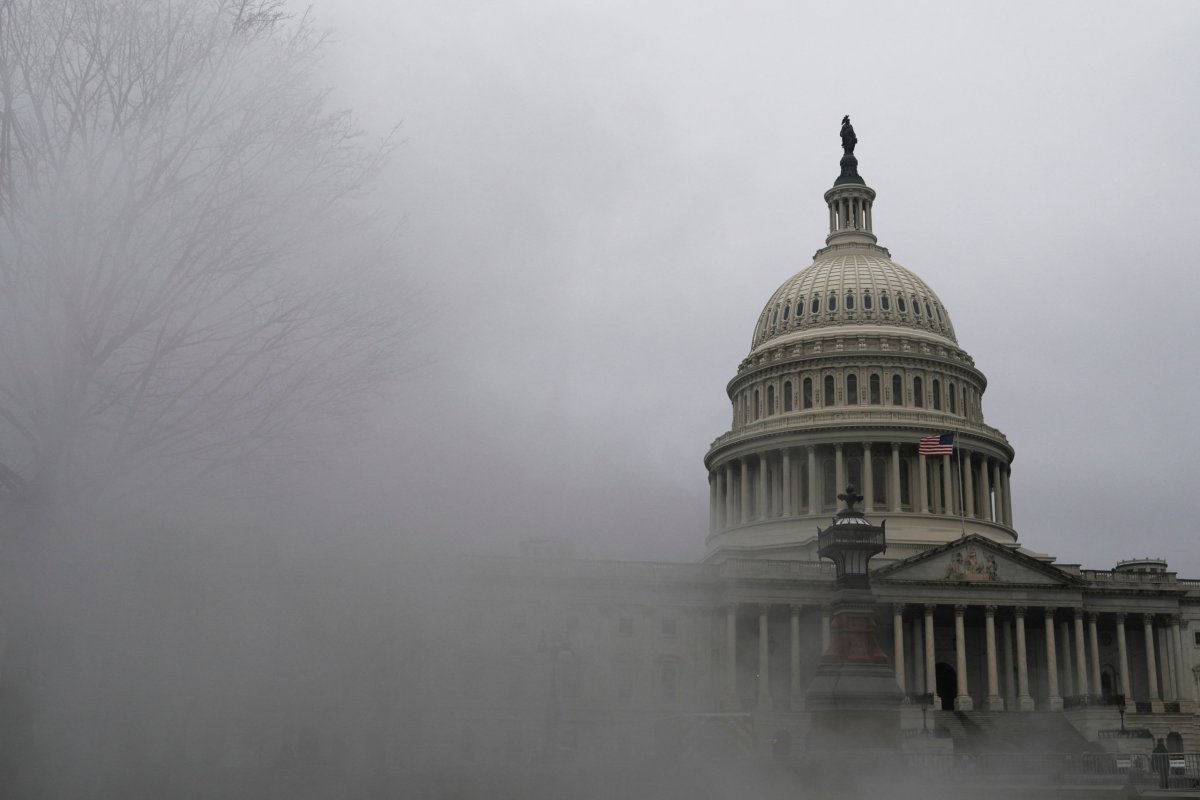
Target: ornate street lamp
[{"x": 854, "y": 700}]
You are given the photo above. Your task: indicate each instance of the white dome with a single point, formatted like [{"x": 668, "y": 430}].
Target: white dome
[{"x": 856, "y": 286}]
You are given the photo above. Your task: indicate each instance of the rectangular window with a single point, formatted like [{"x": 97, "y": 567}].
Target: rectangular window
[
  {"x": 667, "y": 679},
  {"x": 625, "y": 681},
  {"x": 568, "y": 673}
]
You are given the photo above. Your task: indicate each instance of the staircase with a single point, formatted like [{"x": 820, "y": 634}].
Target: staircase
[{"x": 1012, "y": 732}]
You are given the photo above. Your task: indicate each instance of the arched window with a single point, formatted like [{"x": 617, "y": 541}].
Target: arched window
[
  {"x": 850, "y": 302},
  {"x": 953, "y": 401},
  {"x": 916, "y": 307},
  {"x": 874, "y": 389},
  {"x": 786, "y": 311},
  {"x": 787, "y": 396},
  {"x": 928, "y": 312},
  {"x": 816, "y": 304},
  {"x": 965, "y": 410},
  {"x": 770, "y": 400},
  {"x": 852, "y": 393},
  {"x": 937, "y": 395},
  {"x": 774, "y": 316},
  {"x": 884, "y": 302},
  {"x": 829, "y": 488},
  {"x": 879, "y": 480},
  {"x": 800, "y": 308},
  {"x": 897, "y": 391},
  {"x": 900, "y": 305},
  {"x": 867, "y": 302},
  {"x": 756, "y": 402},
  {"x": 807, "y": 391},
  {"x": 832, "y": 304},
  {"x": 918, "y": 393},
  {"x": 828, "y": 398},
  {"x": 804, "y": 498}
]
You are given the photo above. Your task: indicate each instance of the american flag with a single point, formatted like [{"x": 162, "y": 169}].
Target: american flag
[{"x": 940, "y": 444}]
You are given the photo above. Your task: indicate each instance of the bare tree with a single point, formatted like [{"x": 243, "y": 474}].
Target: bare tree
[{"x": 186, "y": 275}]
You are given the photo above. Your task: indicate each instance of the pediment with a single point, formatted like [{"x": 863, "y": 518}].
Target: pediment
[{"x": 976, "y": 560}]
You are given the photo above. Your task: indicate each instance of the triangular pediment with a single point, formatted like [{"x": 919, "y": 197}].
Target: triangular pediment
[{"x": 977, "y": 560}]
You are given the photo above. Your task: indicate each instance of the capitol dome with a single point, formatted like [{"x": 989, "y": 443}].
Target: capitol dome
[
  {"x": 852, "y": 288},
  {"x": 854, "y": 366}
]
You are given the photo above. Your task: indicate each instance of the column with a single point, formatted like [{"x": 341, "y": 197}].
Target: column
[
  {"x": 760, "y": 507},
  {"x": 1185, "y": 688},
  {"x": 898, "y": 645},
  {"x": 962, "y": 701},
  {"x": 985, "y": 492},
  {"x": 1010, "y": 688},
  {"x": 787, "y": 482},
  {"x": 814, "y": 505},
  {"x": 923, "y": 484},
  {"x": 731, "y": 692},
  {"x": 824, "y": 628},
  {"x": 930, "y": 657},
  {"x": 998, "y": 488},
  {"x": 948, "y": 486},
  {"x": 1068, "y": 674},
  {"x": 868, "y": 489},
  {"x": 744, "y": 485},
  {"x": 994, "y": 702},
  {"x": 1123, "y": 656},
  {"x": 1054, "y": 699},
  {"x": 1024, "y": 701},
  {"x": 894, "y": 483},
  {"x": 1081, "y": 671},
  {"x": 1008, "y": 517},
  {"x": 968, "y": 486},
  {"x": 712, "y": 502},
  {"x": 797, "y": 687},
  {"x": 1151, "y": 666},
  {"x": 919, "y": 682},
  {"x": 1166, "y": 648},
  {"x": 839, "y": 468},
  {"x": 730, "y": 502},
  {"x": 764, "y": 658},
  {"x": 1094, "y": 642}
]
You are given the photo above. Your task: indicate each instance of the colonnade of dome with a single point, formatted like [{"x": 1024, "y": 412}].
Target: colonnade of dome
[{"x": 853, "y": 361}]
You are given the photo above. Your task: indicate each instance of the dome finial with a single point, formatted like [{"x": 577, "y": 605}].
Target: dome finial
[{"x": 849, "y": 162}]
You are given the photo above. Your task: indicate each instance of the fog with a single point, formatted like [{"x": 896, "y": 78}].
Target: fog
[{"x": 297, "y": 329}]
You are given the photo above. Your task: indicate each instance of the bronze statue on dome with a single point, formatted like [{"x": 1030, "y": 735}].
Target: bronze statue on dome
[{"x": 848, "y": 137}]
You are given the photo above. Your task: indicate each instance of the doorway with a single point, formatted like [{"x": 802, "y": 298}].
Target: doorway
[{"x": 947, "y": 684}]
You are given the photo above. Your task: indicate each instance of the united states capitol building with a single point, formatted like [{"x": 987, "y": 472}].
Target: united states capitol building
[{"x": 852, "y": 362}]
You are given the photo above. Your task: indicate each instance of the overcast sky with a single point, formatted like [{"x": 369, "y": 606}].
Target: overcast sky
[{"x": 598, "y": 198}]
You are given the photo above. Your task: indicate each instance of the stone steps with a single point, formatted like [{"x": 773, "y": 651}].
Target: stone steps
[{"x": 1025, "y": 732}]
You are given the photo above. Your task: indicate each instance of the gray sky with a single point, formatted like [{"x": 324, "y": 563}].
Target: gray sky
[{"x": 599, "y": 198}]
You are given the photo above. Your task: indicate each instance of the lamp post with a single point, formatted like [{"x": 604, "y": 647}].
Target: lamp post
[
  {"x": 552, "y": 649},
  {"x": 1121, "y": 711}
]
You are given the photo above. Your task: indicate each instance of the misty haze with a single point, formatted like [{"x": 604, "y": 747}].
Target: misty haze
[{"x": 556, "y": 399}]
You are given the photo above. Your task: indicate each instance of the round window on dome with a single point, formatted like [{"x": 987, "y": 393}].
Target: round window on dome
[
  {"x": 816, "y": 304},
  {"x": 832, "y": 304},
  {"x": 885, "y": 302},
  {"x": 916, "y": 307},
  {"x": 900, "y": 305},
  {"x": 850, "y": 302},
  {"x": 867, "y": 303}
]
